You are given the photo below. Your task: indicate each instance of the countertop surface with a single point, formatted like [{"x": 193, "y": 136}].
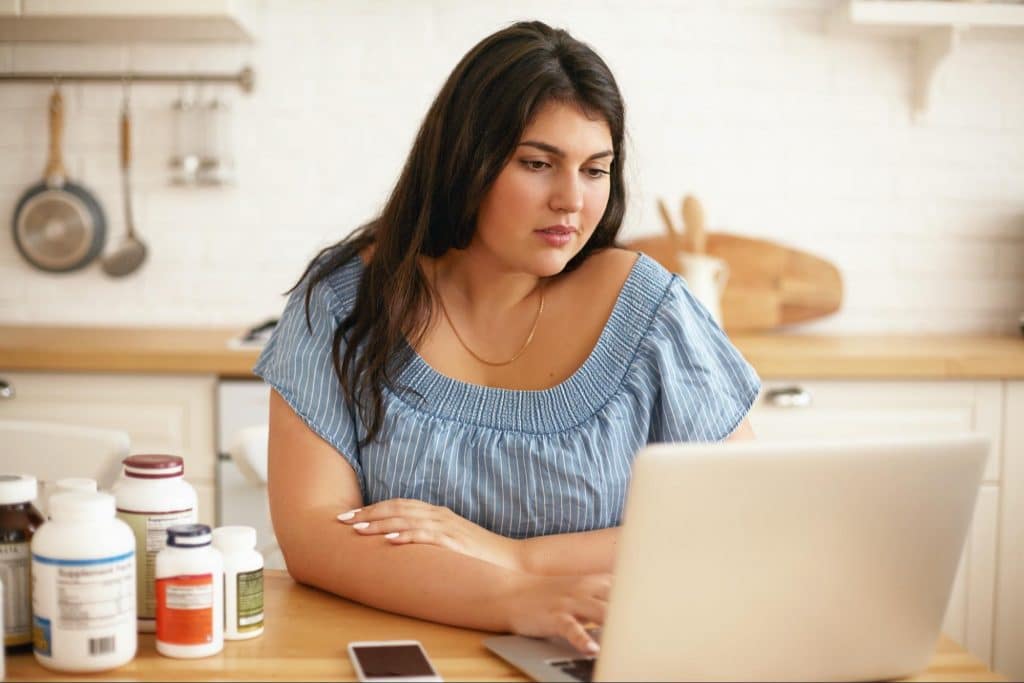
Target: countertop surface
[
  {"x": 308, "y": 630},
  {"x": 211, "y": 351}
]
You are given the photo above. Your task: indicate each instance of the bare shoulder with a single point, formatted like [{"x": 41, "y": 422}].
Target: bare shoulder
[{"x": 607, "y": 267}]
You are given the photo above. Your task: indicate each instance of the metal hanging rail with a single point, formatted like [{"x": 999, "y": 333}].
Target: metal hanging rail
[{"x": 243, "y": 79}]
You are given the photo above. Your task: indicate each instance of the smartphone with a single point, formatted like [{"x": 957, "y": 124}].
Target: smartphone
[{"x": 387, "y": 661}]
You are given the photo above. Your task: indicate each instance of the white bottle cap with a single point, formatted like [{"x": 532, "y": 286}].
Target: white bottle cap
[
  {"x": 79, "y": 506},
  {"x": 17, "y": 488},
  {"x": 75, "y": 484},
  {"x": 233, "y": 538}
]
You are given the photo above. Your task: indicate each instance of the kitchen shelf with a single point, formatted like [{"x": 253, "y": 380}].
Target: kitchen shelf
[
  {"x": 936, "y": 26},
  {"x": 122, "y": 21}
]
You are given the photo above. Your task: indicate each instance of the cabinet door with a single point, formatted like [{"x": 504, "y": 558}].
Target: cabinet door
[
  {"x": 810, "y": 409},
  {"x": 161, "y": 413},
  {"x": 1009, "y": 636}
]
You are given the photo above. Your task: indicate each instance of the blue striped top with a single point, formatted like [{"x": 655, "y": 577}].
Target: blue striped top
[{"x": 523, "y": 463}]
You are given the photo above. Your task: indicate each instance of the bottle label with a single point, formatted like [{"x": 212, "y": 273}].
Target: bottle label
[
  {"x": 150, "y": 529},
  {"x": 84, "y": 608},
  {"x": 16, "y": 575},
  {"x": 184, "y": 609},
  {"x": 249, "y": 600}
]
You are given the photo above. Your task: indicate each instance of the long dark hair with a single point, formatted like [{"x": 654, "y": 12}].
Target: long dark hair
[{"x": 467, "y": 137}]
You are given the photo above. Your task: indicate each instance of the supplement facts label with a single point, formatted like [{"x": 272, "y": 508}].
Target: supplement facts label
[
  {"x": 15, "y": 573},
  {"x": 184, "y": 607},
  {"x": 150, "y": 529},
  {"x": 249, "y": 600},
  {"x": 84, "y": 606}
]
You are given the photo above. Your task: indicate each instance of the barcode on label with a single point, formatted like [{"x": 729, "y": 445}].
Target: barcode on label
[{"x": 101, "y": 646}]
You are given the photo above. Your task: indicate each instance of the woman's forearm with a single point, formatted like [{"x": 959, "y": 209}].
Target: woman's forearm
[
  {"x": 422, "y": 581},
  {"x": 586, "y": 552}
]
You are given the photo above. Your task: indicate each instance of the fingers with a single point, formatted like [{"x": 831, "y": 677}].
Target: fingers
[
  {"x": 396, "y": 507},
  {"x": 423, "y": 537},
  {"x": 572, "y": 630}
]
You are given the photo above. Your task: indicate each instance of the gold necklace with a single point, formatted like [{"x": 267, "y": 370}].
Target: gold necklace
[{"x": 529, "y": 338}]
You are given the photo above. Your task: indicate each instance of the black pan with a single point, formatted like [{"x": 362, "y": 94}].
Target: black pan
[{"x": 58, "y": 225}]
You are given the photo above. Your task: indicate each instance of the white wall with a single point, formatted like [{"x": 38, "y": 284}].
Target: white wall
[{"x": 784, "y": 130}]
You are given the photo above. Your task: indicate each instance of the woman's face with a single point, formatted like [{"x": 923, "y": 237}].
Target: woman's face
[{"x": 547, "y": 200}]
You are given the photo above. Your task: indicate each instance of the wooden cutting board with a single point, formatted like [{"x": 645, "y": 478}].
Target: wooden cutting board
[{"x": 770, "y": 285}]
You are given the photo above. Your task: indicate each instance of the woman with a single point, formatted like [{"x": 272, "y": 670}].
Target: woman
[{"x": 486, "y": 363}]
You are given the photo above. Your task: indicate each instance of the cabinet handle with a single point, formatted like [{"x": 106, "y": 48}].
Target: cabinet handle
[
  {"x": 6, "y": 389},
  {"x": 788, "y": 397}
]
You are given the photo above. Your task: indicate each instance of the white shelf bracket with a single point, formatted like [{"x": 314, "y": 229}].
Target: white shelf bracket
[{"x": 933, "y": 49}]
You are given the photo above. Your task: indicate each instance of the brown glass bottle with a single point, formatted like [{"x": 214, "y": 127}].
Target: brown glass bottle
[{"x": 19, "y": 520}]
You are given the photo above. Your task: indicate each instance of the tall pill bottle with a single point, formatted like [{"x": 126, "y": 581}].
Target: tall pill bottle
[
  {"x": 189, "y": 594},
  {"x": 19, "y": 520},
  {"x": 152, "y": 495},
  {"x": 243, "y": 581},
  {"x": 83, "y": 576}
]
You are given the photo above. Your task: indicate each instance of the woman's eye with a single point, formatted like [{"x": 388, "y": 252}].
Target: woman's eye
[
  {"x": 535, "y": 165},
  {"x": 595, "y": 172}
]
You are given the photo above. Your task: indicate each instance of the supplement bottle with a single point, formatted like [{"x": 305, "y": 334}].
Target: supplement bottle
[
  {"x": 189, "y": 594},
  {"x": 19, "y": 520},
  {"x": 71, "y": 484},
  {"x": 152, "y": 496},
  {"x": 243, "y": 581},
  {"x": 83, "y": 576}
]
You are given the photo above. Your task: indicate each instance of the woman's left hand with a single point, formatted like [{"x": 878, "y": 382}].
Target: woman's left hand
[{"x": 401, "y": 521}]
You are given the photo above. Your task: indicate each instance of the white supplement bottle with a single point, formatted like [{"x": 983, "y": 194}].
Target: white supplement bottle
[
  {"x": 243, "y": 581},
  {"x": 152, "y": 496},
  {"x": 83, "y": 577},
  {"x": 189, "y": 594},
  {"x": 69, "y": 484}
]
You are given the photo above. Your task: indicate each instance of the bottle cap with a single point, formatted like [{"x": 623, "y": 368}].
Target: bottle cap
[
  {"x": 81, "y": 506},
  {"x": 234, "y": 538},
  {"x": 188, "y": 535},
  {"x": 17, "y": 488},
  {"x": 83, "y": 484},
  {"x": 153, "y": 466}
]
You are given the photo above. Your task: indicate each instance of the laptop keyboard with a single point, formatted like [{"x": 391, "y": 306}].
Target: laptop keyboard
[{"x": 580, "y": 669}]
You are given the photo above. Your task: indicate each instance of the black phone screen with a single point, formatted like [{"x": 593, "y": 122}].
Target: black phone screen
[{"x": 394, "y": 661}]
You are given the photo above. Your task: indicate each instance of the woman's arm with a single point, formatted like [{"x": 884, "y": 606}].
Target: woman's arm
[{"x": 309, "y": 482}]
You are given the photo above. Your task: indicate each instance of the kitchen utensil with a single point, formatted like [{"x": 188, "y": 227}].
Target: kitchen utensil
[
  {"x": 58, "y": 225},
  {"x": 130, "y": 254},
  {"x": 666, "y": 217},
  {"x": 693, "y": 222},
  {"x": 770, "y": 285}
]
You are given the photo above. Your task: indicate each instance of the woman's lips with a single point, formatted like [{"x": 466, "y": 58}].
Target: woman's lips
[{"x": 556, "y": 235}]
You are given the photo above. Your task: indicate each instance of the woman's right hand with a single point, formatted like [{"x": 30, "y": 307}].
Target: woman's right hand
[{"x": 545, "y": 606}]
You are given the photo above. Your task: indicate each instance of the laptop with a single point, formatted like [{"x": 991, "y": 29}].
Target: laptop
[{"x": 811, "y": 560}]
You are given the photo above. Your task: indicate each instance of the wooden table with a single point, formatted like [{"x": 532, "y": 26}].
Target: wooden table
[{"x": 308, "y": 630}]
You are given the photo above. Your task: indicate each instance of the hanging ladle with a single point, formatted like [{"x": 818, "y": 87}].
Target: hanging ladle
[{"x": 130, "y": 254}]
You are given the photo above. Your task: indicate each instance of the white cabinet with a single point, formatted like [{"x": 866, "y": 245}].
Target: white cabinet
[
  {"x": 807, "y": 409},
  {"x": 161, "y": 413},
  {"x": 1008, "y": 650},
  {"x": 124, "y": 21}
]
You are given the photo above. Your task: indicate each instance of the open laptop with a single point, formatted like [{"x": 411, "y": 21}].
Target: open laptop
[{"x": 763, "y": 560}]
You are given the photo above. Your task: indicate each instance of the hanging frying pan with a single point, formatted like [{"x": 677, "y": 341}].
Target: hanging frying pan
[{"x": 58, "y": 225}]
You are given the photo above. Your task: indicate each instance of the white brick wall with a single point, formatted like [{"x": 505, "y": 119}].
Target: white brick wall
[{"x": 783, "y": 129}]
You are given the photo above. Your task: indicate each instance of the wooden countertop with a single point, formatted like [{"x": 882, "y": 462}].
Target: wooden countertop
[
  {"x": 308, "y": 630},
  {"x": 206, "y": 350}
]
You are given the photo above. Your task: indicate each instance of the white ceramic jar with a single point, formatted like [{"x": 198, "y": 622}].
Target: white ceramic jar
[
  {"x": 189, "y": 594},
  {"x": 243, "y": 581},
  {"x": 83, "y": 578},
  {"x": 153, "y": 495}
]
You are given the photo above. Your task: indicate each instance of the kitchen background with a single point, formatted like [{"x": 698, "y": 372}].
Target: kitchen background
[{"x": 784, "y": 127}]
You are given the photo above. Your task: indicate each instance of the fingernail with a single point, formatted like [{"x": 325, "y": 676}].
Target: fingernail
[
  {"x": 360, "y": 525},
  {"x": 593, "y": 647},
  {"x": 393, "y": 534},
  {"x": 345, "y": 516}
]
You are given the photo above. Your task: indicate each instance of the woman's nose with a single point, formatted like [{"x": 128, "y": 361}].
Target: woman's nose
[{"x": 567, "y": 194}]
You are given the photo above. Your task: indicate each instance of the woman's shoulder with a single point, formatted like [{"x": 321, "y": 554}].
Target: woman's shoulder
[
  {"x": 335, "y": 284},
  {"x": 622, "y": 273}
]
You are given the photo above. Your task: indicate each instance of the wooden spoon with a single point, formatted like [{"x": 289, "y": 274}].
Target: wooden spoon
[{"x": 693, "y": 221}]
